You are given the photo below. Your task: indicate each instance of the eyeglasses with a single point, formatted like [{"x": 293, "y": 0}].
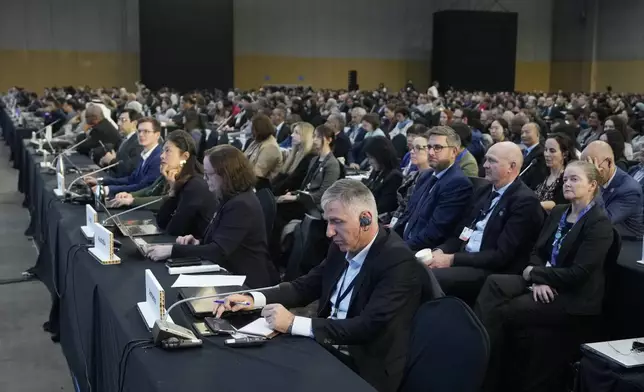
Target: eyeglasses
[
  {"x": 436, "y": 147},
  {"x": 144, "y": 131},
  {"x": 419, "y": 148}
]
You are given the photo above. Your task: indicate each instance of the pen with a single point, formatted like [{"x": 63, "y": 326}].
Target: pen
[{"x": 221, "y": 301}]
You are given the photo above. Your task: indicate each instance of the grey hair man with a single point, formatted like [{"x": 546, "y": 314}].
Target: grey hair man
[{"x": 368, "y": 287}]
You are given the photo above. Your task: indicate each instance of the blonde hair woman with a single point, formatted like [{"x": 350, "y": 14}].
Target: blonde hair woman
[{"x": 297, "y": 163}]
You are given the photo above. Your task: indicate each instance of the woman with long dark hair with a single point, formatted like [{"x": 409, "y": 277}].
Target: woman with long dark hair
[
  {"x": 559, "y": 151},
  {"x": 385, "y": 178},
  {"x": 185, "y": 209}
]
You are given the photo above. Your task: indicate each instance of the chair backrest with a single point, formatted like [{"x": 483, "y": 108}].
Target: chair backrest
[
  {"x": 343, "y": 171},
  {"x": 310, "y": 245},
  {"x": 267, "y": 200},
  {"x": 611, "y": 279},
  {"x": 478, "y": 182},
  {"x": 448, "y": 350}
]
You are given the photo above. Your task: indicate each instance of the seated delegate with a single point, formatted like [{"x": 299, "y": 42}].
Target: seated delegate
[
  {"x": 189, "y": 206},
  {"x": 562, "y": 286},
  {"x": 235, "y": 238},
  {"x": 440, "y": 197},
  {"x": 147, "y": 172},
  {"x": 368, "y": 287},
  {"x": 385, "y": 178},
  {"x": 143, "y": 196},
  {"x": 498, "y": 232},
  {"x": 297, "y": 163},
  {"x": 97, "y": 130},
  {"x": 128, "y": 153}
]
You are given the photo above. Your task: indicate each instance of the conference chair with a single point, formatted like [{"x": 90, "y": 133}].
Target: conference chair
[
  {"x": 449, "y": 349},
  {"x": 310, "y": 245},
  {"x": 267, "y": 200},
  {"x": 478, "y": 183}
]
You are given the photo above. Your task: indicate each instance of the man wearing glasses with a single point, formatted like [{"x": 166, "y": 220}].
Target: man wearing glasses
[
  {"x": 148, "y": 170},
  {"x": 129, "y": 151},
  {"x": 440, "y": 196}
]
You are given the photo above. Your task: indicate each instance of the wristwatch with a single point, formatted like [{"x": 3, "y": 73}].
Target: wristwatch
[{"x": 290, "y": 327}]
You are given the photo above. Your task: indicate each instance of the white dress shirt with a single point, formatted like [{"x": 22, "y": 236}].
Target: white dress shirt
[{"x": 474, "y": 243}]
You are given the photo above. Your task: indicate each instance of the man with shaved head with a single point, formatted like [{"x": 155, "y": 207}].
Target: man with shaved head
[
  {"x": 498, "y": 233},
  {"x": 533, "y": 159},
  {"x": 620, "y": 193}
]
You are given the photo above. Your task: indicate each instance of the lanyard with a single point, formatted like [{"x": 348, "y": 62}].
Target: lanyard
[
  {"x": 556, "y": 245},
  {"x": 342, "y": 295}
]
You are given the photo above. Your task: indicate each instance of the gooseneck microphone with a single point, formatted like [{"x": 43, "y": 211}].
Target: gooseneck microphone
[
  {"x": 532, "y": 162},
  {"x": 92, "y": 173},
  {"x": 111, "y": 217}
]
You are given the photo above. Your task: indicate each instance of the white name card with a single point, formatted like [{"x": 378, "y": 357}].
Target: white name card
[
  {"x": 60, "y": 185},
  {"x": 91, "y": 217},
  {"x": 103, "y": 249},
  {"x": 48, "y": 132},
  {"x": 153, "y": 308}
]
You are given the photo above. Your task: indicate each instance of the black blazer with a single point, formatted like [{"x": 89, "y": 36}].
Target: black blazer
[
  {"x": 385, "y": 297},
  {"x": 509, "y": 234},
  {"x": 342, "y": 147},
  {"x": 189, "y": 211},
  {"x": 384, "y": 187},
  {"x": 103, "y": 132},
  {"x": 579, "y": 274},
  {"x": 290, "y": 182},
  {"x": 284, "y": 132},
  {"x": 129, "y": 153},
  {"x": 538, "y": 172},
  {"x": 236, "y": 242},
  {"x": 400, "y": 145}
]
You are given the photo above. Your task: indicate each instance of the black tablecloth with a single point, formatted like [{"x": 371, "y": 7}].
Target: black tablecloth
[
  {"x": 98, "y": 316},
  {"x": 599, "y": 374},
  {"x": 626, "y": 310}
]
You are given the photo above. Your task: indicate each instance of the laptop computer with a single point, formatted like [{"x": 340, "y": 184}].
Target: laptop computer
[
  {"x": 619, "y": 351},
  {"x": 137, "y": 227}
]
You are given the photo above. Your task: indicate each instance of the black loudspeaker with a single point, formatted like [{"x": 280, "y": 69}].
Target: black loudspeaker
[
  {"x": 353, "y": 80},
  {"x": 462, "y": 57}
]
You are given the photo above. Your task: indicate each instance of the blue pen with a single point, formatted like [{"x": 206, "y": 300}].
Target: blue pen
[{"x": 221, "y": 301}]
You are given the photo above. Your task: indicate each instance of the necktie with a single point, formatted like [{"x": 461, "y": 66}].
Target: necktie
[
  {"x": 525, "y": 153},
  {"x": 487, "y": 206}
]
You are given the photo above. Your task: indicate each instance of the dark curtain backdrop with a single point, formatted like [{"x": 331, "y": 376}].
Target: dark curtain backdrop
[
  {"x": 475, "y": 50},
  {"x": 186, "y": 44}
]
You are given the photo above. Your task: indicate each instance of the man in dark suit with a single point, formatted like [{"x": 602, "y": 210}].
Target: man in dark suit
[
  {"x": 550, "y": 111},
  {"x": 99, "y": 130},
  {"x": 341, "y": 144},
  {"x": 440, "y": 197},
  {"x": 241, "y": 118},
  {"x": 128, "y": 152},
  {"x": 282, "y": 130},
  {"x": 149, "y": 169},
  {"x": 534, "y": 176},
  {"x": 498, "y": 233},
  {"x": 621, "y": 195},
  {"x": 188, "y": 119},
  {"x": 368, "y": 288}
]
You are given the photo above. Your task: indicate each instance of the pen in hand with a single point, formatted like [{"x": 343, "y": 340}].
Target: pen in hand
[{"x": 221, "y": 301}]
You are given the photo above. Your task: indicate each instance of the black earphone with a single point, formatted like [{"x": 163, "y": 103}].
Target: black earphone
[{"x": 365, "y": 220}]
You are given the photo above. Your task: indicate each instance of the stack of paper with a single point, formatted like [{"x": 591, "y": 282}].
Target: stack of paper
[{"x": 209, "y": 280}]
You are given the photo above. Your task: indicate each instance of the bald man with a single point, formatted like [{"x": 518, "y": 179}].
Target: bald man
[
  {"x": 533, "y": 156},
  {"x": 99, "y": 130},
  {"x": 621, "y": 194},
  {"x": 498, "y": 233}
]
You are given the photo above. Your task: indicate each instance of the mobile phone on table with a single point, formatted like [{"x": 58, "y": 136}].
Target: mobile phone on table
[
  {"x": 183, "y": 261},
  {"x": 219, "y": 326},
  {"x": 202, "y": 329}
]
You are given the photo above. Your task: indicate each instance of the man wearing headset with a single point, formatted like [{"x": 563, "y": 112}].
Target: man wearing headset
[{"x": 368, "y": 288}]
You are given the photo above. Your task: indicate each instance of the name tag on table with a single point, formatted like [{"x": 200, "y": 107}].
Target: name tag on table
[{"x": 466, "y": 234}]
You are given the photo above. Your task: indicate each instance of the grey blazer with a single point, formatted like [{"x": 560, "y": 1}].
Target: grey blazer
[{"x": 320, "y": 176}]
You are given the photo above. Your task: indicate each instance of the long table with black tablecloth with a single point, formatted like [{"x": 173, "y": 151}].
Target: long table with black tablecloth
[{"x": 98, "y": 316}]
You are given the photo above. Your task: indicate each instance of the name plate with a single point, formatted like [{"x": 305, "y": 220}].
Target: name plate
[
  {"x": 153, "y": 308},
  {"x": 91, "y": 218},
  {"x": 48, "y": 132},
  {"x": 103, "y": 249}
]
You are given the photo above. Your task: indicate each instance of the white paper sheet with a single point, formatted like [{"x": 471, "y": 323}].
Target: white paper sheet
[
  {"x": 209, "y": 280},
  {"x": 258, "y": 327}
]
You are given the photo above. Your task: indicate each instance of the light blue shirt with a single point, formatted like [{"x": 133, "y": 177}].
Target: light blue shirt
[
  {"x": 474, "y": 243},
  {"x": 529, "y": 149},
  {"x": 302, "y": 325}
]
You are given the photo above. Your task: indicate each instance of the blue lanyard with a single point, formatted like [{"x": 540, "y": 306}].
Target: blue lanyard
[{"x": 556, "y": 245}]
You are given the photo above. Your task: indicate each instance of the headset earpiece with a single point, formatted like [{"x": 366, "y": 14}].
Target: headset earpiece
[{"x": 365, "y": 220}]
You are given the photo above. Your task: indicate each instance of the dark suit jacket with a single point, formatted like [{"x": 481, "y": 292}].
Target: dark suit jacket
[
  {"x": 342, "y": 147},
  {"x": 188, "y": 120},
  {"x": 509, "y": 235},
  {"x": 633, "y": 170},
  {"x": 145, "y": 174},
  {"x": 104, "y": 132},
  {"x": 284, "y": 132},
  {"x": 538, "y": 172},
  {"x": 189, "y": 211},
  {"x": 578, "y": 276},
  {"x": 236, "y": 242},
  {"x": 623, "y": 202},
  {"x": 431, "y": 216},
  {"x": 384, "y": 187},
  {"x": 289, "y": 182},
  {"x": 385, "y": 297},
  {"x": 129, "y": 153}
]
